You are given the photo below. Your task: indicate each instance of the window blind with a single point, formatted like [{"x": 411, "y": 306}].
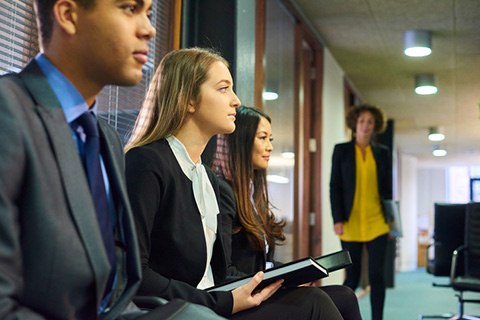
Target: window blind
[
  {"x": 18, "y": 38},
  {"x": 118, "y": 105}
]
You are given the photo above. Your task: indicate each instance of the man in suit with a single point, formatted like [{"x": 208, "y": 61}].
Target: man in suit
[{"x": 54, "y": 260}]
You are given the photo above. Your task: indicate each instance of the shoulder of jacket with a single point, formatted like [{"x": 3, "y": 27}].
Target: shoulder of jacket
[
  {"x": 344, "y": 146},
  {"x": 11, "y": 80},
  {"x": 212, "y": 176},
  {"x": 156, "y": 155}
]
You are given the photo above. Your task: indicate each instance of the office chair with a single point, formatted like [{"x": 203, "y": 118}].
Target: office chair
[
  {"x": 148, "y": 302},
  {"x": 470, "y": 252},
  {"x": 448, "y": 234}
]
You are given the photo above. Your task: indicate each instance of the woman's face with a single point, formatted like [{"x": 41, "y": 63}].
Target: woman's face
[
  {"x": 262, "y": 145},
  {"x": 365, "y": 125},
  {"x": 215, "y": 113}
]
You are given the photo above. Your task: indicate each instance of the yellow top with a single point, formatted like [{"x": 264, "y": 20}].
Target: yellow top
[{"x": 366, "y": 220}]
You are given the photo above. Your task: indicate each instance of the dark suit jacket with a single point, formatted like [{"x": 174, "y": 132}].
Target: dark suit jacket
[
  {"x": 241, "y": 258},
  {"x": 170, "y": 231},
  {"x": 53, "y": 262},
  {"x": 342, "y": 181}
]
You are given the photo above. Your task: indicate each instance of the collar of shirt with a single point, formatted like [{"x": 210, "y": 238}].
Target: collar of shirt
[
  {"x": 71, "y": 101},
  {"x": 202, "y": 188}
]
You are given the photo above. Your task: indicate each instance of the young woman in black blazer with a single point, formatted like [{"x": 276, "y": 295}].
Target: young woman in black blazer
[
  {"x": 361, "y": 177},
  {"x": 250, "y": 230},
  {"x": 174, "y": 196}
]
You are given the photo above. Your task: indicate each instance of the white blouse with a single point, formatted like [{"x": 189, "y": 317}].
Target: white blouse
[{"x": 206, "y": 202}]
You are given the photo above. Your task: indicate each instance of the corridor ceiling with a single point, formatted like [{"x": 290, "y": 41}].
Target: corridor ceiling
[{"x": 366, "y": 39}]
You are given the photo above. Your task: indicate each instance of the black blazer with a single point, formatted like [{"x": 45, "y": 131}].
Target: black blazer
[
  {"x": 342, "y": 181},
  {"x": 170, "y": 231},
  {"x": 240, "y": 256},
  {"x": 53, "y": 262}
]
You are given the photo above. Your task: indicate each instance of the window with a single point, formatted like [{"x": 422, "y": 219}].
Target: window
[
  {"x": 463, "y": 184},
  {"x": 18, "y": 38},
  {"x": 118, "y": 105},
  {"x": 475, "y": 189}
]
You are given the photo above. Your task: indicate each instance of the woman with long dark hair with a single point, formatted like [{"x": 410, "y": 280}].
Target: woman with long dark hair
[{"x": 250, "y": 229}]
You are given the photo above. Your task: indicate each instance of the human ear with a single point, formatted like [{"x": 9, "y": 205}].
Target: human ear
[
  {"x": 65, "y": 15},
  {"x": 191, "y": 107}
]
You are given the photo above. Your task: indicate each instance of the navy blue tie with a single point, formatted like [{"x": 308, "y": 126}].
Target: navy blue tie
[{"x": 97, "y": 187}]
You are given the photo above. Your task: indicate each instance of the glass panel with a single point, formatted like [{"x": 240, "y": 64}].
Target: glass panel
[{"x": 279, "y": 78}]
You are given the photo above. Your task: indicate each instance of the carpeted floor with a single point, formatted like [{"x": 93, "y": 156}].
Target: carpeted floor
[{"x": 414, "y": 295}]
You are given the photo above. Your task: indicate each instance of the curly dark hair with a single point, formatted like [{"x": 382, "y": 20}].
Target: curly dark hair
[{"x": 379, "y": 115}]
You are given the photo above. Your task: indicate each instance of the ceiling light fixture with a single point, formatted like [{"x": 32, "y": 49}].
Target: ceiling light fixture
[
  {"x": 435, "y": 134},
  {"x": 417, "y": 43},
  {"x": 288, "y": 155},
  {"x": 275, "y": 178},
  {"x": 425, "y": 84},
  {"x": 270, "y": 91},
  {"x": 269, "y": 95},
  {"x": 439, "y": 152}
]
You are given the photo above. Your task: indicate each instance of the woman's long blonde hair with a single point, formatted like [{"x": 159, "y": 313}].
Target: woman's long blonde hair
[{"x": 175, "y": 84}]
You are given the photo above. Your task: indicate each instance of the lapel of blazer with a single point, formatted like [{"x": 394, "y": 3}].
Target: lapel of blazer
[
  {"x": 376, "y": 152},
  {"x": 112, "y": 153},
  {"x": 351, "y": 161},
  {"x": 71, "y": 170},
  {"x": 113, "y": 158}
]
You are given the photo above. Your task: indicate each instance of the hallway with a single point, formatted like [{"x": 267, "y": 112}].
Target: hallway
[{"x": 414, "y": 294}]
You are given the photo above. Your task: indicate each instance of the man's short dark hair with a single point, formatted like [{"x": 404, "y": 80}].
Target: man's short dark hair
[{"x": 44, "y": 12}]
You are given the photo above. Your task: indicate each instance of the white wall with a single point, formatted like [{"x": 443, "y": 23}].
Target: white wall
[
  {"x": 408, "y": 192},
  {"x": 432, "y": 188},
  {"x": 333, "y": 123}
]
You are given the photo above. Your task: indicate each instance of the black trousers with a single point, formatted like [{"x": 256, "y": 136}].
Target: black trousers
[
  {"x": 302, "y": 303},
  {"x": 377, "y": 249},
  {"x": 345, "y": 300}
]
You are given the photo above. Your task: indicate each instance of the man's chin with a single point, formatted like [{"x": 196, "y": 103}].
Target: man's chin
[{"x": 130, "y": 81}]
